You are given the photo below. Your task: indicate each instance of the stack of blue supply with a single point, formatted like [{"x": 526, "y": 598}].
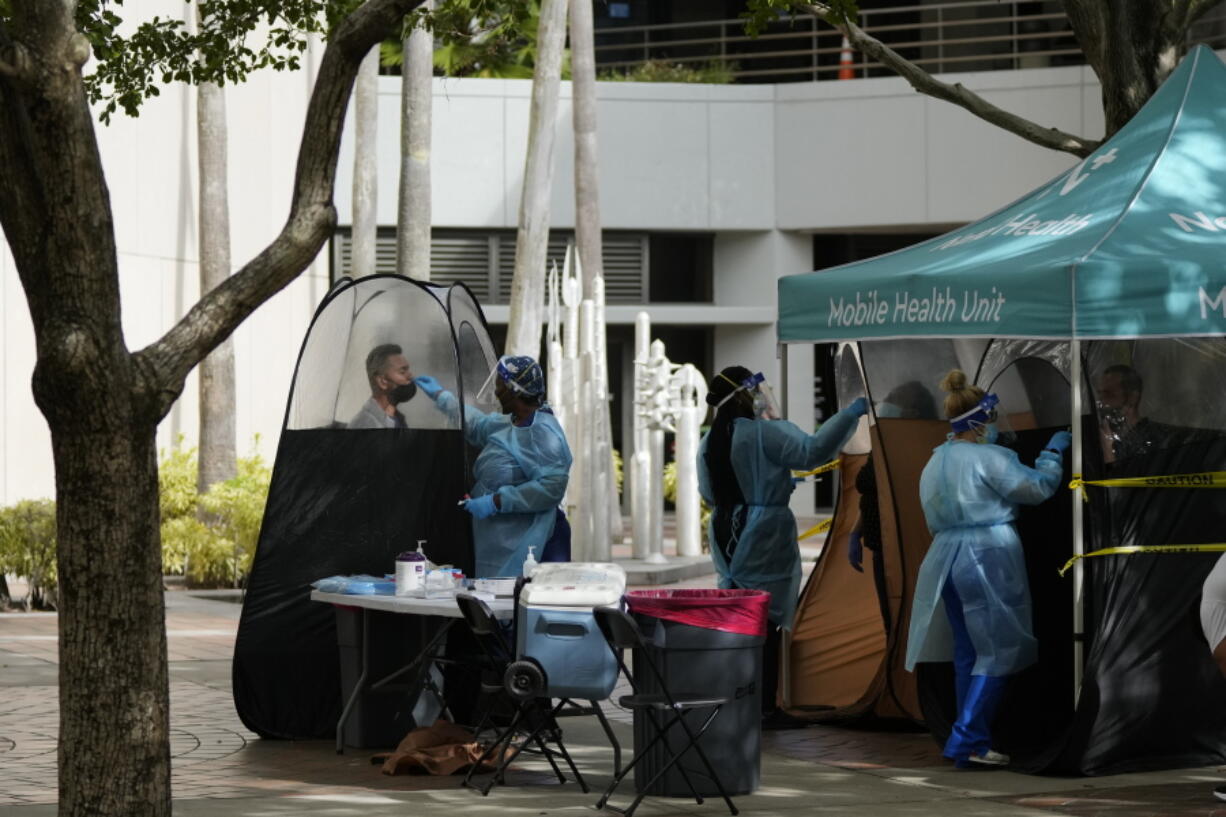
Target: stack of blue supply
[{"x": 357, "y": 585}]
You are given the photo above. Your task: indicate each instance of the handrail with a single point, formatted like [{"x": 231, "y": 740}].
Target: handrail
[
  {"x": 987, "y": 55},
  {"x": 824, "y": 32},
  {"x": 736, "y": 21},
  {"x": 943, "y": 36}
]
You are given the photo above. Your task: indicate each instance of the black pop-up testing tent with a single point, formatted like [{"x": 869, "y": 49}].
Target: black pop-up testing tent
[
  {"x": 346, "y": 498},
  {"x": 1100, "y": 288}
]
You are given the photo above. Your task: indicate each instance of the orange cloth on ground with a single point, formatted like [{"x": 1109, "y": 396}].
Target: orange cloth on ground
[{"x": 441, "y": 749}]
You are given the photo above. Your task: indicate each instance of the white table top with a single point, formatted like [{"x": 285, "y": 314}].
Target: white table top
[{"x": 446, "y": 607}]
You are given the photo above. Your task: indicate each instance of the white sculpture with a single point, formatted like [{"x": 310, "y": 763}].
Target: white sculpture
[
  {"x": 579, "y": 394},
  {"x": 669, "y": 398},
  {"x": 687, "y": 405}
]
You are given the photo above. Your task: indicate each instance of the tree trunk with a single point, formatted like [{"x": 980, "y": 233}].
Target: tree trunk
[
  {"x": 416, "y": 99},
  {"x": 114, "y": 750},
  {"x": 1132, "y": 45},
  {"x": 217, "y": 456},
  {"x": 532, "y": 240},
  {"x": 365, "y": 167},
  {"x": 103, "y": 403},
  {"x": 588, "y": 243},
  {"x": 587, "y": 160}
]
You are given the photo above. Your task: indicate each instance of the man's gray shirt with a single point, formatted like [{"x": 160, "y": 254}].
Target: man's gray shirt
[{"x": 372, "y": 415}]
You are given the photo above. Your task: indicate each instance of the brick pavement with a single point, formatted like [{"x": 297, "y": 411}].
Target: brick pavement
[{"x": 215, "y": 759}]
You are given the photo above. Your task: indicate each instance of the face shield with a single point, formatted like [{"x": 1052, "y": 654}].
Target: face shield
[
  {"x": 485, "y": 394},
  {"x": 989, "y": 425},
  {"x": 764, "y": 405}
]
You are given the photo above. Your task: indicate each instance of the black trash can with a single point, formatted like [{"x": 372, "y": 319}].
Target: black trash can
[{"x": 695, "y": 657}]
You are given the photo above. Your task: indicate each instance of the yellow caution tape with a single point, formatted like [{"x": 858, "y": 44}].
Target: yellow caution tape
[
  {"x": 821, "y": 469},
  {"x": 1214, "y": 548},
  {"x": 820, "y": 527},
  {"x": 1205, "y": 479}
]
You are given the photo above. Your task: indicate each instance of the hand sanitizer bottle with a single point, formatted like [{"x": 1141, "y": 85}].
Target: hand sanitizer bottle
[
  {"x": 530, "y": 563},
  {"x": 411, "y": 570}
]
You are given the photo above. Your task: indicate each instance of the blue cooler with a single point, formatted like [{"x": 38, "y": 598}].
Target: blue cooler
[{"x": 555, "y": 628}]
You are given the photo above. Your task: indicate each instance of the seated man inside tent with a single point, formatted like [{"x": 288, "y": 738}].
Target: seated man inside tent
[
  {"x": 391, "y": 383},
  {"x": 1125, "y": 433}
]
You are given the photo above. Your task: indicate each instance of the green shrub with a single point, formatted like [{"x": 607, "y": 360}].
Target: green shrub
[
  {"x": 27, "y": 549},
  {"x": 619, "y": 471},
  {"x": 713, "y": 73},
  {"x": 211, "y": 539}
]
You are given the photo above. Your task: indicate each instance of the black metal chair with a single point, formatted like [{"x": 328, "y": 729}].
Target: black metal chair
[
  {"x": 622, "y": 633},
  {"x": 533, "y": 718}
]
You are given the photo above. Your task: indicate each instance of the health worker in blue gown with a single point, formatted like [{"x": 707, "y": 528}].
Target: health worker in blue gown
[
  {"x": 745, "y": 467},
  {"x": 972, "y": 599},
  {"x": 522, "y": 470}
]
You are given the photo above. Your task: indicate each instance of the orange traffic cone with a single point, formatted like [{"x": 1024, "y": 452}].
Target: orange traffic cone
[{"x": 847, "y": 61}]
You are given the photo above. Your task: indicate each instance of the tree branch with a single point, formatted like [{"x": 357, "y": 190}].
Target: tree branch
[
  {"x": 312, "y": 217},
  {"x": 1197, "y": 8},
  {"x": 925, "y": 83}
]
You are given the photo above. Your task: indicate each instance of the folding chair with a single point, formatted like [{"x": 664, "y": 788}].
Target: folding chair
[
  {"x": 622, "y": 633},
  {"x": 533, "y": 718}
]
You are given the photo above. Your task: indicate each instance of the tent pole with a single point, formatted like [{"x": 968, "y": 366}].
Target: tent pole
[
  {"x": 785, "y": 646},
  {"x": 1078, "y": 542},
  {"x": 781, "y": 352}
]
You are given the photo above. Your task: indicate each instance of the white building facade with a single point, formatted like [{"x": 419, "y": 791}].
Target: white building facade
[{"x": 754, "y": 171}]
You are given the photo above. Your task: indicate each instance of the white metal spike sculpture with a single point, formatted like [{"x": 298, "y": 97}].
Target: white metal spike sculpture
[
  {"x": 584, "y": 547},
  {"x": 579, "y": 394},
  {"x": 658, "y": 372},
  {"x": 558, "y": 394},
  {"x": 613, "y": 511},
  {"x": 672, "y": 398},
  {"x": 688, "y": 404},
  {"x": 639, "y": 463}
]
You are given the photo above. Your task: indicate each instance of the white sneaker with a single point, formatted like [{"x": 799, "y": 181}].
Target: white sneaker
[
  {"x": 990, "y": 758},
  {"x": 1220, "y": 792}
]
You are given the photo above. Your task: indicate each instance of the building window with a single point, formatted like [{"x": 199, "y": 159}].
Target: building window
[
  {"x": 638, "y": 268},
  {"x": 681, "y": 267}
]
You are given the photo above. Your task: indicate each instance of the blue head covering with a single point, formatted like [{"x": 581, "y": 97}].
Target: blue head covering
[{"x": 522, "y": 375}]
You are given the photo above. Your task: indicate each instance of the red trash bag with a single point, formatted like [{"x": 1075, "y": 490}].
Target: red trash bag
[{"x": 730, "y": 611}]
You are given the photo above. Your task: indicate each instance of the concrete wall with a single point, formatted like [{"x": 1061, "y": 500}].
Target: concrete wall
[
  {"x": 759, "y": 166},
  {"x": 874, "y": 153}
]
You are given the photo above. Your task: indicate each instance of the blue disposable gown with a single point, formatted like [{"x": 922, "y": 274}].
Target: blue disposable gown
[
  {"x": 763, "y": 454},
  {"x": 970, "y": 493},
  {"x": 528, "y": 467}
]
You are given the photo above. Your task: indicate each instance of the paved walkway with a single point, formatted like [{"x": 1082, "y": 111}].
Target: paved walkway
[{"x": 221, "y": 768}]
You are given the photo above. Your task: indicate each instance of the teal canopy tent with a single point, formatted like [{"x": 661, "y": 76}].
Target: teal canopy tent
[
  {"x": 1110, "y": 276},
  {"x": 1128, "y": 243}
]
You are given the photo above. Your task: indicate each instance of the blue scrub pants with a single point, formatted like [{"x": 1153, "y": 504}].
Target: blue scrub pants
[
  {"x": 557, "y": 549},
  {"x": 978, "y": 695}
]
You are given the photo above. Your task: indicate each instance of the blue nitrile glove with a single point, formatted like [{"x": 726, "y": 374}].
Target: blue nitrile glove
[
  {"x": 429, "y": 385},
  {"x": 482, "y": 507},
  {"x": 855, "y": 551},
  {"x": 858, "y": 407},
  {"x": 1060, "y": 441}
]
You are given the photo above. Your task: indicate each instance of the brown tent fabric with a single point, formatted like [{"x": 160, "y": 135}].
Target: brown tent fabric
[
  {"x": 441, "y": 749},
  {"x": 841, "y": 664}
]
